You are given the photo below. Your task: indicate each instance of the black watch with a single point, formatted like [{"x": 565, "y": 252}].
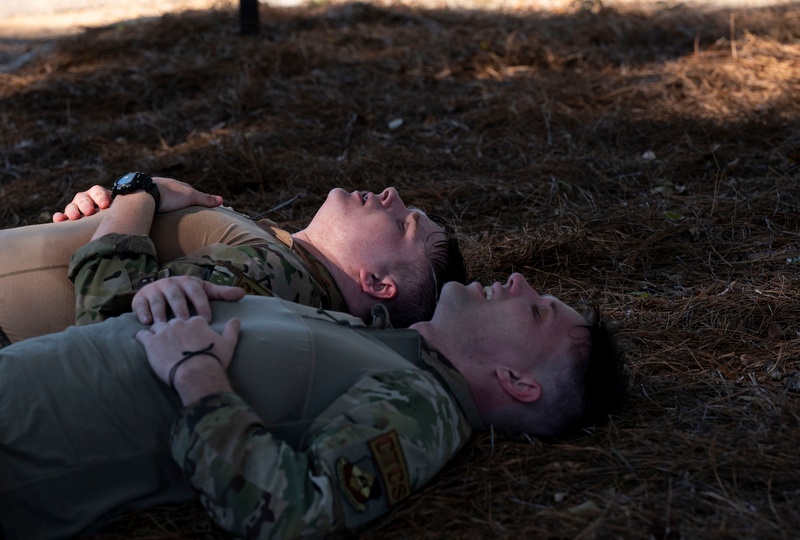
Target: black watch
[{"x": 135, "y": 181}]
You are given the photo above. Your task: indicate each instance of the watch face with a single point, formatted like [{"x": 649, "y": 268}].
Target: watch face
[
  {"x": 133, "y": 182},
  {"x": 126, "y": 180}
]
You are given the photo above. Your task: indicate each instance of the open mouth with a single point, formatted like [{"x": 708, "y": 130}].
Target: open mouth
[
  {"x": 364, "y": 197},
  {"x": 488, "y": 292}
]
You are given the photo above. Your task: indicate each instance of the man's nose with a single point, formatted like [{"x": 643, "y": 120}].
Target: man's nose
[
  {"x": 518, "y": 285},
  {"x": 391, "y": 198}
]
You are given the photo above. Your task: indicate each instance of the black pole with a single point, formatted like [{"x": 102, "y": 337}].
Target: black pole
[{"x": 248, "y": 16}]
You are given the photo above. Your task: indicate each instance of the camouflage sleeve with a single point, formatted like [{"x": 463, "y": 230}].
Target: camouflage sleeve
[
  {"x": 266, "y": 269},
  {"x": 107, "y": 271},
  {"x": 382, "y": 440}
]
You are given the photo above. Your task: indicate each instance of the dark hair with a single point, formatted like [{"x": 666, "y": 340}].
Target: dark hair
[
  {"x": 600, "y": 375},
  {"x": 592, "y": 387},
  {"x": 421, "y": 282}
]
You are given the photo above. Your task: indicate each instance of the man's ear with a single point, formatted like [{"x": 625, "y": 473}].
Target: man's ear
[
  {"x": 524, "y": 388},
  {"x": 379, "y": 287}
]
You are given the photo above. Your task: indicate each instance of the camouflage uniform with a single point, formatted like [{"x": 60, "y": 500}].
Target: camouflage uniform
[
  {"x": 330, "y": 428},
  {"x": 108, "y": 271}
]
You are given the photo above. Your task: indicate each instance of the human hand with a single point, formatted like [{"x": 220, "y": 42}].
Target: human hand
[
  {"x": 168, "y": 343},
  {"x": 176, "y": 195},
  {"x": 85, "y": 203},
  {"x": 178, "y": 292}
]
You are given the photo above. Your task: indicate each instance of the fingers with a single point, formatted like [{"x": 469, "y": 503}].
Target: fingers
[
  {"x": 199, "y": 198},
  {"x": 180, "y": 294},
  {"x": 71, "y": 213},
  {"x": 85, "y": 203},
  {"x": 143, "y": 337},
  {"x": 176, "y": 195},
  {"x": 141, "y": 307},
  {"x": 209, "y": 201},
  {"x": 230, "y": 332},
  {"x": 193, "y": 291},
  {"x": 76, "y": 210},
  {"x": 95, "y": 197},
  {"x": 223, "y": 292},
  {"x": 153, "y": 303},
  {"x": 150, "y": 305},
  {"x": 167, "y": 343}
]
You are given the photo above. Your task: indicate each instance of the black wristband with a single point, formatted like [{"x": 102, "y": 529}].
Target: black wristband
[
  {"x": 133, "y": 182},
  {"x": 187, "y": 355}
]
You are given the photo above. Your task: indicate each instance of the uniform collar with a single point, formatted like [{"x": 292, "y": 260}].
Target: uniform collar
[
  {"x": 314, "y": 266},
  {"x": 453, "y": 380},
  {"x": 409, "y": 344}
]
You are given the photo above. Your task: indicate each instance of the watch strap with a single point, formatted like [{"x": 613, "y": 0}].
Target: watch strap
[{"x": 136, "y": 181}]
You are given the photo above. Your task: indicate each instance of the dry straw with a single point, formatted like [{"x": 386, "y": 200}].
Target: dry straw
[{"x": 646, "y": 159}]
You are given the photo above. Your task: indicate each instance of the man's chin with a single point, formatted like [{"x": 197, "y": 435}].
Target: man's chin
[
  {"x": 452, "y": 290},
  {"x": 332, "y": 203}
]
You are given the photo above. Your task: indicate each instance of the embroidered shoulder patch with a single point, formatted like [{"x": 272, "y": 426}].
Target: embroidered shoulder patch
[
  {"x": 251, "y": 287},
  {"x": 356, "y": 482},
  {"x": 225, "y": 273},
  {"x": 391, "y": 463}
]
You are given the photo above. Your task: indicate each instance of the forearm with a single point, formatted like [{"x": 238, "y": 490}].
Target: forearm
[
  {"x": 255, "y": 486},
  {"x": 109, "y": 268},
  {"x": 128, "y": 214},
  {"x": 198, "y": 377},
  {"x": 407, "y": 420}
]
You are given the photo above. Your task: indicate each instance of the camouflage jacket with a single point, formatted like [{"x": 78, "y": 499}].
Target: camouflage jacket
[
  {"x": 331, "y": 425},
  {"x": 380, "y": 440},
  {"x": 108, "y": 271}
]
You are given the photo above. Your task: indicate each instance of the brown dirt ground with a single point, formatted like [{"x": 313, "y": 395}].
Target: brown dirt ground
[{"x": 648, "y": 159}]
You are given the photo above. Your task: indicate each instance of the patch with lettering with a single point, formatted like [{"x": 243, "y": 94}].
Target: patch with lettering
[
  {"x": 391, "y": 463},
  {"x": 226, "y": 273},
  {"x": 251, "y": 287},
  {"x": 357, "y": 482}
]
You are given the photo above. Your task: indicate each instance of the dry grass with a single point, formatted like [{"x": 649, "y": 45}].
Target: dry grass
[{"x": 638, "y": 157}]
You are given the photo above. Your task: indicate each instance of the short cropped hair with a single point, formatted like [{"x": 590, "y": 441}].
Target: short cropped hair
[
  {"x": 421, "y": 281},
  {"x": 603, "y": 377},
  {"x": 591, "y": 387}
]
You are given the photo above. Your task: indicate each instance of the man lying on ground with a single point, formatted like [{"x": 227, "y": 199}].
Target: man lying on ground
[
  {"x": 359, "y": 249},
  {"x": 287, "y": 420}
]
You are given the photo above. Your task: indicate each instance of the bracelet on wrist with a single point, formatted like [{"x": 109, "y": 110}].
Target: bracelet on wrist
[{"x": 186, "y": 356}]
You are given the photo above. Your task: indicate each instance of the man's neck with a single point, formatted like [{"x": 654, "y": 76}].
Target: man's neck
[
  {"x": 457, "y": 383},
  {"x": 439, "y": 336},
  {"x": 347, "y": 285}
]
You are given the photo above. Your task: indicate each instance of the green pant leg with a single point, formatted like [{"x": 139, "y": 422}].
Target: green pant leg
[{"x": 84, "y": 426}]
